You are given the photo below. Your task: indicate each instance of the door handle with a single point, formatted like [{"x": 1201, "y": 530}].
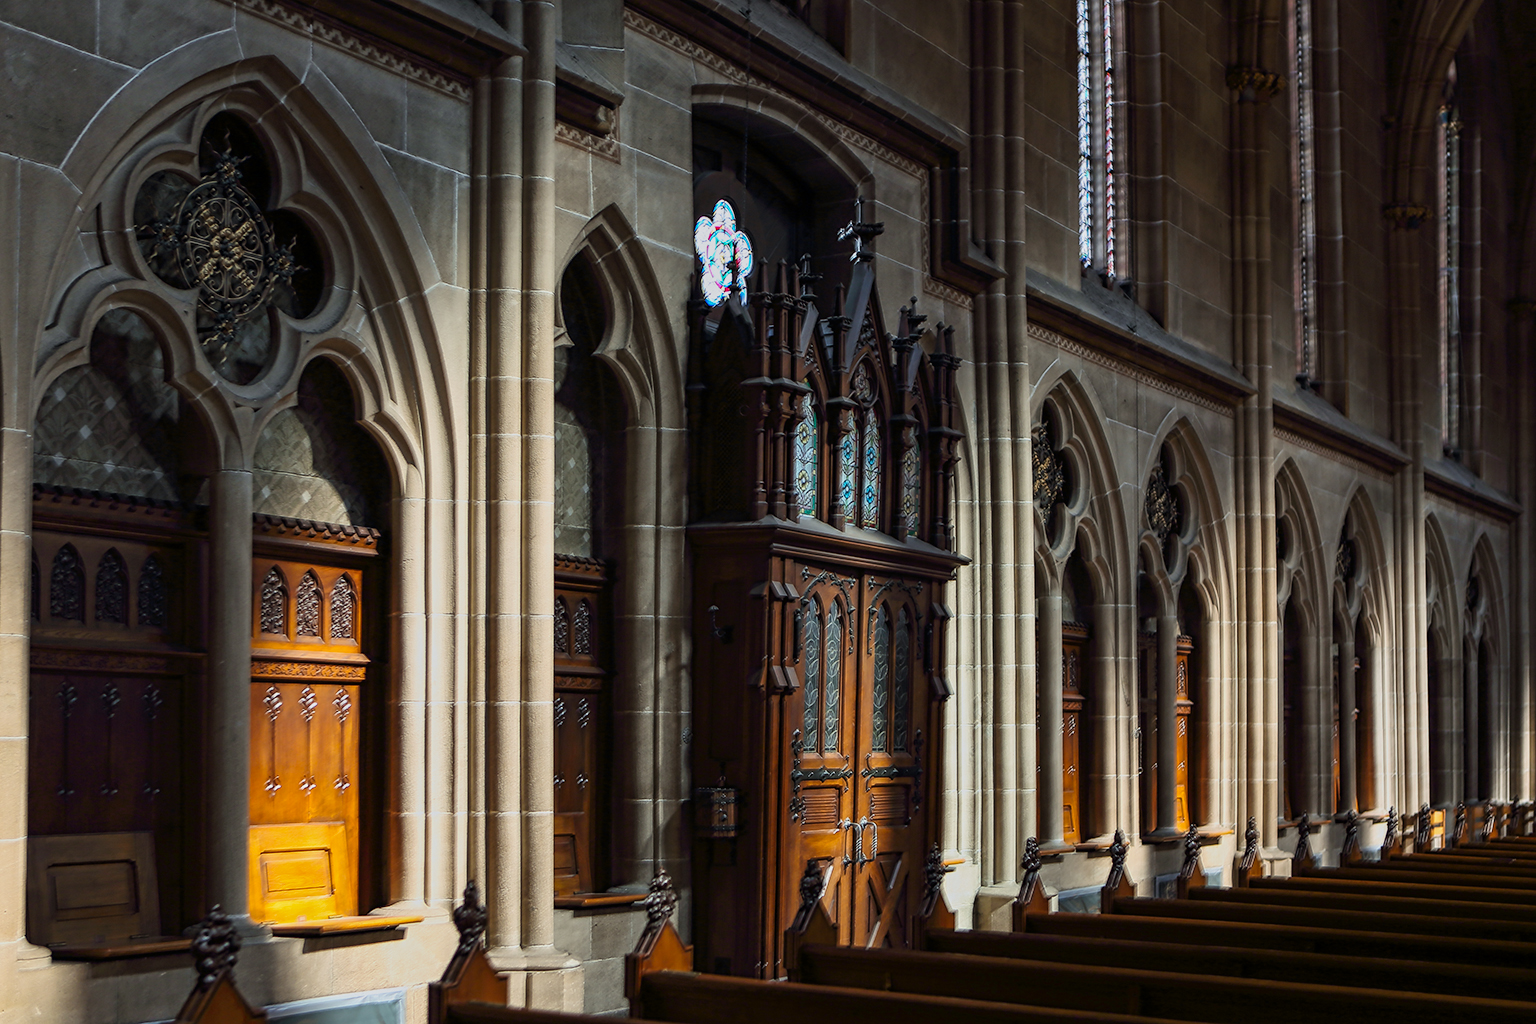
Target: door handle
[
  {"x": 874, "y": 846},
  {"x": 858, "y": 841}
]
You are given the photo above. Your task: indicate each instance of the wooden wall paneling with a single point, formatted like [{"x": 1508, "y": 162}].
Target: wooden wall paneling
[
  {"x": 583, "y": 656},
  {"x": 310, "y": 684},
  {"x": 115, "y": 693}
]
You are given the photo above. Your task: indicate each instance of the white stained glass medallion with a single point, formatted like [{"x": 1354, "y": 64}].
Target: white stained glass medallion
[
  {"x": 806, "y": 476},
  {"x": 725, "y": 254}
]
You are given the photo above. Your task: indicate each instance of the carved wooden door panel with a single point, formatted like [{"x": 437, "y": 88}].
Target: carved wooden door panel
[
  {"x": 311, "y": 680},
  {"x": 1074, "y": 662},
  {"x": 115, "y": 681},
  {"x": 581, "y": 768},
  {"x": 1184, "y": 705},
  {"x": 822, "y": 743},
  {"x": 893, "y": 727}
]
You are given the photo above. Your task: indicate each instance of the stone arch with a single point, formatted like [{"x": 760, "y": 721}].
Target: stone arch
[
  {"x": 1097, "y": 507},
  {"x": 1488, "y": 696},
  {"x": 1367, "y": 613},
  {"x": 375, "y": 249},
  {"x": 779, "y": 117}
]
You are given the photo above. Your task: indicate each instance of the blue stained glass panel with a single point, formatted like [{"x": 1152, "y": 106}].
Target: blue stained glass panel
[
  {"x": 1109, "y": 138},
  {"x": 806, "y": 457},
  {"x": 833, "y": 681},
  {"x": 870, "y": 496},
  {"x": 724, "y": 252},
  {"x": 848, "y": 457},
  {"x": 811, "y": 687}
]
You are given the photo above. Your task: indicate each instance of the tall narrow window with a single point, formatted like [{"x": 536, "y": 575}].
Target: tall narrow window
[
  {"x": 806, "y": 457},
  {"x": 1450, "y": 270},
  {"x": 1097, "y": 199},
  {"x": 1304, "y": 195},
  {"x": 870, "y": 499}
]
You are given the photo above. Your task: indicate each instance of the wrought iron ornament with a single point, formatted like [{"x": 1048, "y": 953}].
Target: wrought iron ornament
[
  {"x": 1391, "y": 836},
  {"x": 934, "y": 870},
  {"x": 1459, "y": 829},
  {"x": 1165, "y": 509},
  {"x": 1117, "y": 851},
  {"x": 225, "y": 247},
  {"x": 1050, "y": 469},
  {"x": 1421, "y": 834},
  {"x": 1351, "y": 834},
  {"x": 1251, "y": 843},
  {"x": 1344, "y": 562}
]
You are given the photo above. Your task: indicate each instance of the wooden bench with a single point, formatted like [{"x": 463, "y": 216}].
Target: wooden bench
[
  {"x": 1334, "y": 916},
  {"x": 1284, "y": 965},
  {"x": 1469, "y": 888},
  {"x": 1492, "y": 913},
  {"x": 1299, "y": 938},
  {"x": 1168, "y": 995}
]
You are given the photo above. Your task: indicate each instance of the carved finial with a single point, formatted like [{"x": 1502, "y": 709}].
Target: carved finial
[
  {"x": 933, "y": 871},
  {"x": 1390, "y": 839},
  {"x": 1191, "y": 853},
  {"x": 216, "y": 947},
  {"x": 1351, "y": 845},
  {"x": 1117, "y": 851},
  {"x": 1421, "y": 832},
  {"x": 862, "y": 233},
  {"x": 662, "y": 899},
  {"x": 1303, "y": 852},
  {"x": 1486, "y": 830},
  {"x": 469, "y": 918},
  {"x": 1251, "y": 840},
  {"x": 1031, "y": 865},
  {"x": 1459, "y": 828}
]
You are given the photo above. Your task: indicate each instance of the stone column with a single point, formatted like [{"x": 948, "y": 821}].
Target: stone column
[
  {"x": 1474, "y": 787},
  {"x": 1348, "y": 756},
  {"x": 1049, "y": 682},
  {"x": 228, "y": 758},
  {"x": 1167, "y": 725}
]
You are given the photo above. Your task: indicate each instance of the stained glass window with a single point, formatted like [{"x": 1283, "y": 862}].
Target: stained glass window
[
  {"x": 1450, "y": 272},
  {"x": 725, "y": 254},
  {"x": 911, "y": 482},
  {"x": 849, "y": 459},
  {"x": 1084, "y": 135},
  {"x": 1097, "y": 205},
  {"x": 1304, "y": 189},
  {"x": 805, "y": 457},
  {"x": 869, "y": 499},
  {"x": 880, "y": 697},
  {"x": 812, "y": 683},
  {"x": 902, "y": 698},
  {"x": 833, "y": 679}
]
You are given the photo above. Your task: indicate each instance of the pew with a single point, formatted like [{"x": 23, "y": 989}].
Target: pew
[
  {"x": 1298, "y": 938},
  {"x": 1283, "y": 965},
  {"x": 1405, "y": 906},
  {"x": 1151, "y": 993},
  {"x": 1474, "y": 888}
]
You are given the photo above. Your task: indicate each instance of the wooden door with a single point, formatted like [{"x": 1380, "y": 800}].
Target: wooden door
[
  {"x": 822, "y": 808},
  {"x": 1074, "y": 661},
  {"x": 311, "y": 683},
  {"x": 582, "y": 653},
  {"x": 1183, "y": 708},
  {"x": 892, "y": 727}
]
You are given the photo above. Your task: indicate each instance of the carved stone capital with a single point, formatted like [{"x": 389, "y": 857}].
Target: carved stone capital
[{"x": 1254, "y": 85}]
